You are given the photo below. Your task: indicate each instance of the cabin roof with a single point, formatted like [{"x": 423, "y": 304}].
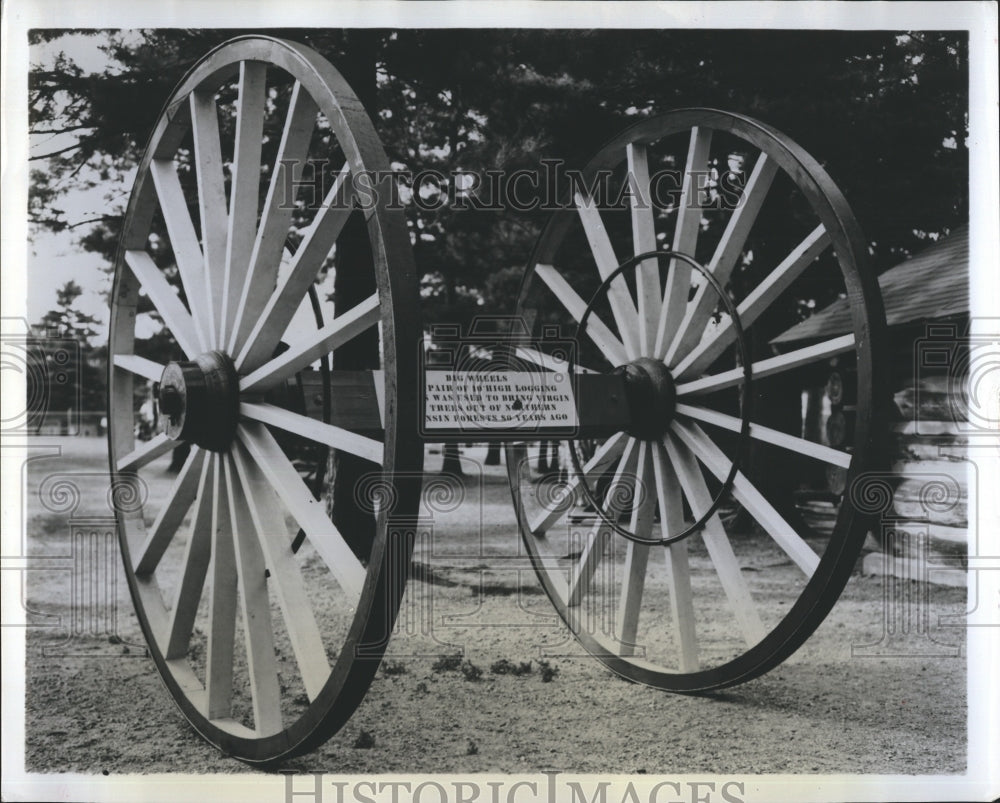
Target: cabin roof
[{"x": 932, "y": 284}]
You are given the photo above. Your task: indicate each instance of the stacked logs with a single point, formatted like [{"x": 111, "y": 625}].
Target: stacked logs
[
  {"x": 925, "y": 534},
  {"x": 923, "y": 531}
]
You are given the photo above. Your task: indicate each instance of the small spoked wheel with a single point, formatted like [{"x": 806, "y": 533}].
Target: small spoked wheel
[
  {"x": 713, "y": 262},
  {"x": 266, "y": 617}
]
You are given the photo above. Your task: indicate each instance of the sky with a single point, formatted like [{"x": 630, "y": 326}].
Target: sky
[{"x": 55, "y": 258}]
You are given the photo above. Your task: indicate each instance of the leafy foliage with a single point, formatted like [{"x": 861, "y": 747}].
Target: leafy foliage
[
  {"x": 885, "y": 111},
  {"x": 67, "y": 322}
]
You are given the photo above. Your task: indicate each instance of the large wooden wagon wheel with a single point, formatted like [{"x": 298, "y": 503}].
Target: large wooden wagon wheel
[
  {"x": 689, "y": 575},
  {"x": 265, "y": 640}
]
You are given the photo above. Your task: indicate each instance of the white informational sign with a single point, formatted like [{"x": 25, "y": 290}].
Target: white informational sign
[{"x": 498, "y": 400}]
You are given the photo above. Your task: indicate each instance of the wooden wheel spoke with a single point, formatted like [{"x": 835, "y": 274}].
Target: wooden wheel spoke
[
  {"x": 720, "y": 550},
  {"x": 139, "y": 366},
  {"x": 167, "y": 303},
  {"x": 682, "y": 619},
  {"x": 768, "y": 367},
  {"x": 712, "y": 344},
  {"x": 636, "y": 554},
  {"x": 622, "y": 308},
  {"x": 244, "y": 189},
  {"x": 258, "y": 632},
  {"x": 747, "y": 495},
  {"x": 316, "y": 431},
  {"x": 211, "y": 204},
  {"x": 767, "y": 435},
  {"x": 307, "y": 511},
  {"x": 315, "y": 345},
  {"x": 184, "y": 243},
  {"x": 675, "y": 297},
  {"x": 600, "y": 533},
  {"x": 276, "y": 217},
  {"x": 175, "y": 507},
  {"x": 146, "y": 453},
  {"x": 305, "y": 264},
  {"x": 605, "y": 340},
  {"x": 688, "y": 650},
  {"x": 649, "y": 293},
  {"x": 197, "y": 553},
  {"x": 307, "y": 643},
  {"x": 240, "y": 293},
  {"x": 608, "y": 452},
  {"x": 724, "y": 259},
  {"x": 220, "y": 552},
  {"x": 223, "y": 602}
]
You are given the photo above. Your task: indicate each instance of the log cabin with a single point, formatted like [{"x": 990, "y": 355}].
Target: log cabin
[{"x": 926, "y": 526}]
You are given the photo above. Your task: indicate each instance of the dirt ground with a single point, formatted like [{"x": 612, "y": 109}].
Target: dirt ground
[{"x": 896, "y": 703}]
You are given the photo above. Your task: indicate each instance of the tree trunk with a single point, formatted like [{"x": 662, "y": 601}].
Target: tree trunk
[
  {"x": 553, "y": 449},
  {"x": 452, "y": 463},
  {"x": 543, "y": 457},
  {"x": 353, "y": 282},
  {"x": 777, "y": 403},
  {"x": 493, "y": 454}
]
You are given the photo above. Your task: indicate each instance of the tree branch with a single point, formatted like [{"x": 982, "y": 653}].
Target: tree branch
[
  {"x": 60, "y": 130},
  {"x": 98, "y": 219},
  {"x": 53, "y": 153}
]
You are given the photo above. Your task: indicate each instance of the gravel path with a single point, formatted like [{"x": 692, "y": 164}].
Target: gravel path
[{"x": 96, "y": 705}]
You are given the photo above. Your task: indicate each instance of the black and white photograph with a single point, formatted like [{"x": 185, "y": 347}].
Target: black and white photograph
[{"x": 551, "y": 401}]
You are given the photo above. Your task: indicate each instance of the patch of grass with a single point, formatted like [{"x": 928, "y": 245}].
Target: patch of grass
[
  {"x": 470, "y": 671},
  {"x": 548, "y": 671},
  {"x": 505, "y": 667},
  {"x": 471, "y": 748},
  {"x": 365, "y": 740},
  {"x": 447, "y": 663},
  {"x": 421, "y": 688},
  {"x": 393, "y": 668},
  {"x": 504, "y": 590}
]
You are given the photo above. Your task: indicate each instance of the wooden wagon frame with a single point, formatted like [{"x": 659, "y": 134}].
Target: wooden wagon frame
[{"x": 656, "y": 338}]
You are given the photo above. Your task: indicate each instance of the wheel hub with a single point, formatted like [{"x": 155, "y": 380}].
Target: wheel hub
[
  {"x": 199, "y": 400},
  {"x": 651, "y": 395}
]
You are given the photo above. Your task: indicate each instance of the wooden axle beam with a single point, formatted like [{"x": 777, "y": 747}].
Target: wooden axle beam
[{"x": 356, "y": 405}]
